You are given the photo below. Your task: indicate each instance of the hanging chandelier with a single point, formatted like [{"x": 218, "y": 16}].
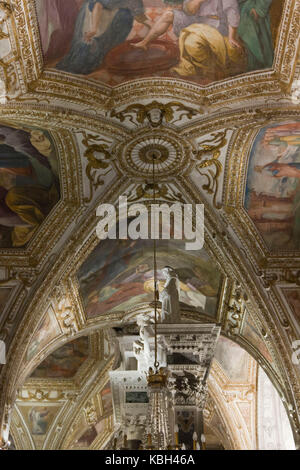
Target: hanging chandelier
[
  {"x": 172, "y": 388},
  {"x": 157, "y": 433}
]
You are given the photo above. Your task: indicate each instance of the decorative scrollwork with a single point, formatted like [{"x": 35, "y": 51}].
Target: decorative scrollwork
[
  {"x": 207, "y": 156},
  {"x": 90, "y": 413},
  {"x": 162, "y": 192},
  {"x": 155, "y": 113},
  {"x": 9, "y": 83},
  {"x": 40, "y": 395},
  {"x": 96, "y": 163}
]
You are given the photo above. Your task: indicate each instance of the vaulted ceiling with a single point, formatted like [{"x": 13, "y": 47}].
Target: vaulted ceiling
[{"x": 79, "y": 124}]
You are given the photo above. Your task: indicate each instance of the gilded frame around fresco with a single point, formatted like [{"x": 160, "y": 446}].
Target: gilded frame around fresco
[
  {"x": 39, "y": 85},
  {"x": 67, "y": 104}
]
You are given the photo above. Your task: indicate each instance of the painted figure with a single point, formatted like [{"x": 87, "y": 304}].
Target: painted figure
[
  {"x": 57, "y": 20},
  {"x": 101, "y": 25},
  {"x": 47, "y": 330},
  {"x": 208, "y": 41},
  {"x": 255, "y": 31},
  {"x": 39, "y": 418},
  {"x": 287, "y": 164},
  {"x": 28, "y": 186},
  {"x": 273, "y": 187},
  {"x": 65, "y": 361},
  {"x": 115, "y": 41}
]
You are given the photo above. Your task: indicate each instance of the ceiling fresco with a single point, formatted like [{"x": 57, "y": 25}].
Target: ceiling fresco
[
  {"x": 85, "y": 436},
  {"x": 29, "y": 182},
  {"x": 47, "y": 330},
  {"x": 201, "y": 41},
  {"x": 233, "y": 359},
  {"x": 118, "y": 275},
  {"x": 65, "y": 361},
  {"x": 273, "y": 185},
  {"x": 38, "y": 418},
  {"x": 88, "y": 88},
  {"x": 293, "y": 298}
]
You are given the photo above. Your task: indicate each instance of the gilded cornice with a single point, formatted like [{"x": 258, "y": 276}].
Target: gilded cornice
[
  {"x": 71, "y": 107},
  {"x": 28, "y": 66}
]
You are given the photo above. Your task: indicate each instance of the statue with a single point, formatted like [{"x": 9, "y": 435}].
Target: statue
[
  {"x": 169, "y": 297},
  {"x": 141, "y": 347}
]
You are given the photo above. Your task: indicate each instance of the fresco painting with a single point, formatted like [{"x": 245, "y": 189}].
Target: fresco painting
[
  {"x": 89, "y": 435},
  {"x": 117, "y": 40},
  {"x": 118, "y": 275},
  {"x": 233, "y": 359},
  {"x": 38, "y": 418},
  {"x": 273, "y": 186},
  {"x": 292, "y": 296},
  {"x": 65, "y": 361},
  {"x": 47, "y": 330},
  {"x": 41, "y": 418},
  {"x": 29, "y": 183}
]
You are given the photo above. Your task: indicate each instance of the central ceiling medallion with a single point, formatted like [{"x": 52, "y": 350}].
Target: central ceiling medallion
[
  {"x": 156, "y": 150},
  {"x": 171, "y": 153}
]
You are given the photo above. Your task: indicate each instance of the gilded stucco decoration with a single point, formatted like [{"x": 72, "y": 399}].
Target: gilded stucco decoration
[
  {"x": 155, "y": 113},
  {"x": 104, "y": 132}
]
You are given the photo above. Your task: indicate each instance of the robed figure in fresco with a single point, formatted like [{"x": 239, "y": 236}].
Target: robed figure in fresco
[
  {"x": 120, "y": 39},
  {"x": 255, "y": 31},
  {"x": 29, "y": 187},
  {"x": 273, "y": 187},
  {"x": 208, "y": 40},
  {"x": 210, "y": 47},
  {"x": 57, "y": 20},
  {"x": 39, "y": 418},
  {"x": 286, "y": 169},
  {"x": 101, "y": 25}
]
